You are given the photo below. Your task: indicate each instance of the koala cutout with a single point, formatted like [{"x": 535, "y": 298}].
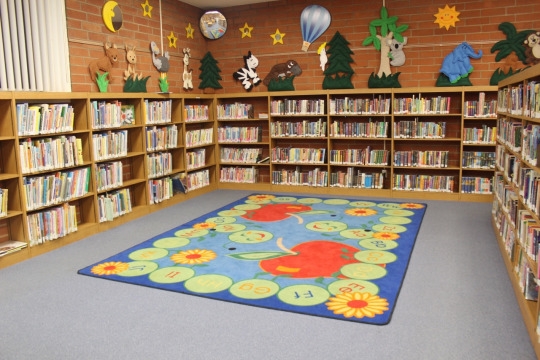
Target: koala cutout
[
  {"x": 396, "y": 54},
  {"x": 532, "y": 48}
]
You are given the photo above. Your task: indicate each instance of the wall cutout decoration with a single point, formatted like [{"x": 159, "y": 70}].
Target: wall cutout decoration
[
  {"x": 187, "y": 75},
  {"x": 447, "y": 17},
  {"x": 209, "y": 73},
  {"x": 281, "y": 76},
  {"x": 172, "y": 40},
  {"x": 112, "y": 16},
  {"x": 248, "y": 74},
  {"x": 189, "y": 31},
  {"x": 339, "y": 72},
  {"x": 161, "y": 62},
  {"x": 278, "y": 37},
  {"x": 457, "y": 65},
  {"x": 323, "y": 58},
  {"x": 213, "y": 25},
  {"x": 105, "y": 65},
  {"x": 314, "y": 20},
  {"x": 147, "y": 9},
  {"x": 246, "y": 30}
]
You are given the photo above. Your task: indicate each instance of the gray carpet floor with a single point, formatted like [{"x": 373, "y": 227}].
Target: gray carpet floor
[{"x": 456, "y": 303}]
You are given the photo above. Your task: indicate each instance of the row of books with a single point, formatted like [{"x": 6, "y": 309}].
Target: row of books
[
  {"x": 109, "y": 175},
  {"x": 484, "y": 135},
  {"x": 107, "y": 115},
  {"x": 196, "y": 158},
  {"x": 51, "y": 224},
  {"x": 239, "y": 134},
  {"x": 480, "y": 108},
  {"x": 4, "y": 196},
  {"x": 298, "y": 155},
  {"x": 157, "y": 111},
  {"x": 245, "y": 175},
  {"x": 421, "y": 105},
  {"x": 44, "y": 118},
  {"x": 478, "y": 160},
  {"x": 528, "y": 233},
  {"x": 423, "y": 182},
  {"x": 313, "y": 177},
  {"x": 196, "y": 113},
  {"x": 528, "y": 184},
  {"x": 521, "y": 99},
  {"x": 365, "y": 156},
  {"x": 235, "y": 111},
  {"x": 356, "y": 106},
  {"x": 52, "y": 189},
  {"x": 531, "y": 105},
  {"x": 370, "y": 129},
  {"x": 199, "y": 137},
  {"x": 11, "y": 246},
  {"x": 198, "y": 179},
  {"x": 529, "y": 143},
  {"x": 297, "y": 107},
  {"x": 420, "y": 158},
  {"x": 476, "y": 185},
  {"x": 419, "y": 129},
  {"x": 353, "y": 178},
  {"x": 304, "y": 128},
  {"x": 159, "y": 164},
  {"x": 160, "y": 190},
  {"x": 240, "y": 155},
  {"x": 510, "y": 133},
  {"x": 114, "y": 204},
  {"x": 43, "y": 154},
  {"x": 110, "y": 144},
  {"x": 161, "y": 137}
]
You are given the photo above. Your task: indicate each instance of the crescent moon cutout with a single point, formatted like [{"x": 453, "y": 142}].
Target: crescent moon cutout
[{"x": 112, "y": 16}]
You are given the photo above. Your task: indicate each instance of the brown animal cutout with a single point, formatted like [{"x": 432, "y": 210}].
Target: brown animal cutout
[
  {"x": 131, "y": 58},
  {"x": 282, "y": 71},
  {"x": 104, "y": 63}
]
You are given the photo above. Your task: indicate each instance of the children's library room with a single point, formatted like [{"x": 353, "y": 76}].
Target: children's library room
[{"x": 269, "y": 179}]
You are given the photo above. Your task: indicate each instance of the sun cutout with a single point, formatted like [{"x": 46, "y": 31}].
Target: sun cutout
[
  {"x": 172, "y": 40},
  {"x": 278, "y": 37},
  {"x": 147, "y": 9},
  {"x": 447, "y": 17},
  {"x": 189, "y": 31},
  {"x": 246, "y": 30}
]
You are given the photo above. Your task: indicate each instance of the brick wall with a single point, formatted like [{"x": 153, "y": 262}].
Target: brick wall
[{"x": 427, "y": 45}]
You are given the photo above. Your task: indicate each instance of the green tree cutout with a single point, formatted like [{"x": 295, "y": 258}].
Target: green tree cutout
[
  {"x": 389, "y": 30},
  {"x": 338, "y": 73},
  {"x": 209, "y": 73},
  {"x": 511, "y": 49}
]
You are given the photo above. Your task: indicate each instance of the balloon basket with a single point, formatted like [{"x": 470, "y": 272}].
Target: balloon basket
[{"x": 305, "y": 46}]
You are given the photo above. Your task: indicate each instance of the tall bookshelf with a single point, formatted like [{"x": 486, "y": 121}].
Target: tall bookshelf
[
  {"x": 341, "y": 142},
  {"x": 516, "y": 210}
]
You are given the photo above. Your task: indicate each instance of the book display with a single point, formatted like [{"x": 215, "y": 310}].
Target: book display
[
  {"x": 77, "y": 163},
  {"x": 516, "y": 204}
]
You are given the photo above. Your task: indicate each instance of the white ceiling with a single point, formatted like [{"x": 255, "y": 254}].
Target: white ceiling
[{"x": 220, "y": 4}]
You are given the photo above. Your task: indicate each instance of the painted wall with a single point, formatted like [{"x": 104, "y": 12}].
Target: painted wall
[{"x": 427, "y": 45}]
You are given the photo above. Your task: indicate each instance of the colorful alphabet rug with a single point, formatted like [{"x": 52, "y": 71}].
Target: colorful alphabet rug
[{"x": 337, "y": 258}]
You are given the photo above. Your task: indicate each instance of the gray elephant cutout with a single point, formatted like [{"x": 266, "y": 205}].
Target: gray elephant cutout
[{"x": 457, "y": 65}]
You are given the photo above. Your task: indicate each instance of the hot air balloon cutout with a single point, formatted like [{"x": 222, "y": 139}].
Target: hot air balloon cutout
[
  {"x": 382, "y": 42},
  {"x": 314, "y": 21},
  {"x": 339, "y": 72}
]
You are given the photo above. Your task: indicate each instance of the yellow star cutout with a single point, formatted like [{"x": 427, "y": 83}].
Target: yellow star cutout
[
  {"x": 246, "y": 30},
  {"x": 172, "y": 40},
  {"x": 447, "y": 17},
  {"x": 147, "y": 9},
  {"x": 189, "y": 31},
  {"x": 278, "y": 37}
]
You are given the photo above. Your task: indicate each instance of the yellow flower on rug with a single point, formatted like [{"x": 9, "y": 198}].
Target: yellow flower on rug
[
  {"x": 412, "y": 206},
  {"x": 110, "y": 268},
  {"x": 383, "y": 235},
  {"x": 360, "y": 212},
  {"x": 204, "y": 225},
  {"x": 357, "y": 305},
  {"x": 261, "y": 197},
  {"x": 195, "y": 256}
]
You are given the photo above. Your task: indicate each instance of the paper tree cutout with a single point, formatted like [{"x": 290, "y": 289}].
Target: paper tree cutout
[
  {"x": 147, "y": 9},
  {"x": 209, "y": 73},
  {"x": 278, "y": 37},
  {"x": 338, "y": 73},
  {"x": 172, "y": 40},
  {"x": 246, "y": 30},
  {"x": 389, "y": 30},
  {"x": 446, "y": 17},
  {"x": 189, "y": 31}
]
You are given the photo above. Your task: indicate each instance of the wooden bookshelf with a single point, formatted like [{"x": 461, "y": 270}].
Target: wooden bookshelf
[
  {"x": 516, "y": 213},
  {"x": 207, "y": 168}
]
